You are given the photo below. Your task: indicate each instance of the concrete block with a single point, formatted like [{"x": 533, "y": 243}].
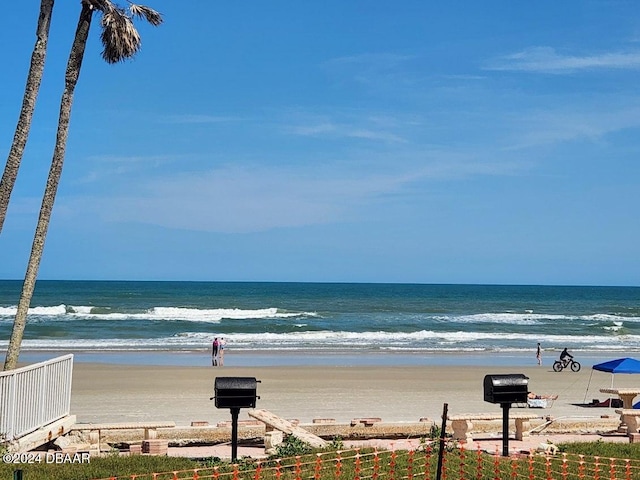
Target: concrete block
[
  {"x": 367, "y": 422},
  {"x": 272, "y": 439},
  {"x": 62, "y": 442},
  {"x": 323, "y": 420},
  {"x": 155, "y": 447},
  {"x": 135, "y": 449}
]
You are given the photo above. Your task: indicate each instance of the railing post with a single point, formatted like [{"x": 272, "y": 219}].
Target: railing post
[
  {"x": 42, "y": 394},
  {"x": 11, "y": 434}
]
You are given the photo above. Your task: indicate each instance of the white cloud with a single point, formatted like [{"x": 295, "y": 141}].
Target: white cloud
[
  {"x": 103, "y": 167},
  {"x": 191, "y": 118},
  {"x": 249, "y": 198},
  {"x": 371, "y": 61},
  {"x": 377, "y": 72},
  {"x": 243, "y": 199},
  {"x": 373, "y": 135},
  {"x": 377, "y": 127},
  {"x": 547, "y": 60},
  {"x": 312, "y": 130},
  {"x": 337, "y": 130},
  {"x": 556, "y": 125}
]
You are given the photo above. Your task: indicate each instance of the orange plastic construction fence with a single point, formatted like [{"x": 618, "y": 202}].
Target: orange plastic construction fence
[{"x": 458, "y": 464}]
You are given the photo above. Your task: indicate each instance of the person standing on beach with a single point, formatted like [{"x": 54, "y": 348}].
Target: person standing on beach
[
  {"x": 221, "y": 344},
  {"x": 539, "y": 354},
  {"x": 214, "y": 352}
]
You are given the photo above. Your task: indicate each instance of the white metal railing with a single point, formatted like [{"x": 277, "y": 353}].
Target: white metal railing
[{"x": 34, "y": 396}]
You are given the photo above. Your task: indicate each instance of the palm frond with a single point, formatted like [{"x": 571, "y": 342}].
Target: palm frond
[
  {"x": 149, "y": 14},
  {"x": 120, "y": 38}
]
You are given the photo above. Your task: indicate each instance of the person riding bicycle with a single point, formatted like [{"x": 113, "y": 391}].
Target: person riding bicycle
[{"x": 565, "y": 357}]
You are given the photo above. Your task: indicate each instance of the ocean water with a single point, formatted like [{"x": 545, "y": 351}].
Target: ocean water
[{"x": 95, "y": 318}]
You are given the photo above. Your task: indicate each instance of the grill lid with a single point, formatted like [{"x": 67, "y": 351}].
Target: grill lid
[
  {"x": 507, "y": 380},
  {"x": 235, "y": 392}
]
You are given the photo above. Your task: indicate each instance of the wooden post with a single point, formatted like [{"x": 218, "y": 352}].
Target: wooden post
[{"x": 443, "y": 430}]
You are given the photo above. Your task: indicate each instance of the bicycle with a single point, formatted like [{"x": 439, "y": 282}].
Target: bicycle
[{"x": 560, "y": 365}]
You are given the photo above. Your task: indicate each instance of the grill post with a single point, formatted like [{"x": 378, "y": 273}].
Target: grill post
[
  {"x": 234, "y": 433},
  {"x": 505, "y": 428}
]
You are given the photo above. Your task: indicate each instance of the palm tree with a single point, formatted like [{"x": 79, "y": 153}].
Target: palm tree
[
  {"x": 31, "y": 90},
  {"x": 120, "y": 40}
]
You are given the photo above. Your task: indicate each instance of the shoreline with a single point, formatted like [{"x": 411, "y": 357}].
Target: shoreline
[{"x": 334, "y": 358}]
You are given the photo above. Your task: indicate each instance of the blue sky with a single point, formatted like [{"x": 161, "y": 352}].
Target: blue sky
[{"x": 428, "y": 142}]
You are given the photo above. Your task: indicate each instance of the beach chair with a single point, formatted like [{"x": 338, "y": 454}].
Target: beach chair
[{"x": 541, "y": 401}]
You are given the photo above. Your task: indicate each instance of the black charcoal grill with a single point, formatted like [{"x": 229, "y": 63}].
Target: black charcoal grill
[
  {"x": 235, "y": 393},
  {"x": 506, "y": 389}
]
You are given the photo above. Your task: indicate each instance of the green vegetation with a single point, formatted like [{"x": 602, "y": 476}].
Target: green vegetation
[
  {"x": 103, "y": 467},
  {"x": 291, "y": 447},
  {"x": 603, "y": 449},
  {"x": 577, "y": 460}
]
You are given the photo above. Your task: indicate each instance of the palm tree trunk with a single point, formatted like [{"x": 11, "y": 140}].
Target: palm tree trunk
[
  {"x": 71, "y": 78},
  {"x": 34, "y": 78}
]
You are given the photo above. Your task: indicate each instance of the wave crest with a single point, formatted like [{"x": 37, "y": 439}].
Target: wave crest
[{"x": 214, "y": 315}]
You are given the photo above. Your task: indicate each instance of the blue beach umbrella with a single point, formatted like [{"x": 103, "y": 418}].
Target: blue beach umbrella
[{"x": 621, "y": 365}]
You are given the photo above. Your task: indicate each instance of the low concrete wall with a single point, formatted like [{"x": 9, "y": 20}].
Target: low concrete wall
[{"x": 203, "y": 435}]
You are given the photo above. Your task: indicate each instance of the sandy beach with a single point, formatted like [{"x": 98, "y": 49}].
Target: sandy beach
[{"x": 122, "y": 393}]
